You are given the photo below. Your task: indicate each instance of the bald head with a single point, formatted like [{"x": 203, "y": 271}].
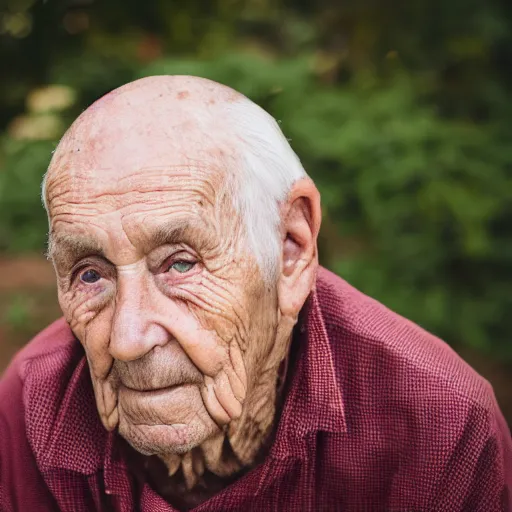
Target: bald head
[
  {"x": 151, "y": 122},
  {"x": 164, "y": 122}
]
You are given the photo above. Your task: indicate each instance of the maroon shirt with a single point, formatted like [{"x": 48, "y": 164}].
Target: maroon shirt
[{"x": 379, "y": 415}]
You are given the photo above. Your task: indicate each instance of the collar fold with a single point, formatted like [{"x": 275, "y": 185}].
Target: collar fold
[{"x": 314, "y": 402}]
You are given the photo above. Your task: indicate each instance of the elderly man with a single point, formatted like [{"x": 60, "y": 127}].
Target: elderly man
[{"x": 204, "y": 360}]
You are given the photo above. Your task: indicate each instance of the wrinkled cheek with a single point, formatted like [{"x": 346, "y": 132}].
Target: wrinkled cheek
[
  {"x": 93, "y": 331},
  {"x": 65, "y": 303},
  {"x": 222, "y": 356},
  {"x": 95, "y": 338},
  {"x": 225, "y": 379},
  {"x": 89, "y": 320},
  {"x": 95, "y": 341},
  {"x": 106, "y": 393},
  {"x": 224, "y": 393}
]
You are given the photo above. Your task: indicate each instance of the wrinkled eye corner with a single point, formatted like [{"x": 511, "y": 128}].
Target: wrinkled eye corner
[{"x": 90, "y": 276}]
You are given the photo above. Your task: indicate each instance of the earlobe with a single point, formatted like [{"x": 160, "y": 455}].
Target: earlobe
[{"x": 300, "y": 225}]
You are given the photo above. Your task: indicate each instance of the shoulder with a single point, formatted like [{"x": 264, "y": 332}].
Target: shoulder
[
  {"x": 31, "y": 392},
  {"x": 52, "y": 347},
  {"x": 411, "y": 400},
  {"x": 55, "y": 337},
  {"x": 377, "y": 351},
  {"x": 45, "y": 361},
  {"x": 34, "y": 383}
]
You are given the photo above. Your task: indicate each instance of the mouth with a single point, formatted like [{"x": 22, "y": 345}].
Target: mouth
[
  {"x": 149, "y": 390},
  {"x": 157, "y": 420},
  {"x": 154, "y": 378}
]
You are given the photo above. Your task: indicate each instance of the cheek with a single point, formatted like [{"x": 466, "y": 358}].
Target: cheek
[
  {"x": 261, "y": 332},
  {"x": 95, "y": 338},
  {"x": 82, "y": 303},
  {"x": 218, "y": 307},
  {"x": 89, "y": 313}
]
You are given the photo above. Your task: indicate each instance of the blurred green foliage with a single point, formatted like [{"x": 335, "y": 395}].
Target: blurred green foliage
[
  {"x": 400, "y": 113},
  {"x": 17, "y": 314}
]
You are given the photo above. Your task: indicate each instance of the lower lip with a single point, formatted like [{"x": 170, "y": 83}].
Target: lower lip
[
  {"x": 150, "y": 392},
  {"x": 165, "y": 406}
]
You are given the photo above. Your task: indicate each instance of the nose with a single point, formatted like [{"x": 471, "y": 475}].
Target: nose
[{"x": 135, "y": 330}]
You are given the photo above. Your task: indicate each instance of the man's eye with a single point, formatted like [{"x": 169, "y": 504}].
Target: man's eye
[
  {"x": 182, "y": 266},
  {"x": 90, "y": 276}
]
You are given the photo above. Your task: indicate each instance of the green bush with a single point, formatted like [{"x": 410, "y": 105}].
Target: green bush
[
  {"x": 415, "y": 205},
  {"x": 23, "y": 221}
]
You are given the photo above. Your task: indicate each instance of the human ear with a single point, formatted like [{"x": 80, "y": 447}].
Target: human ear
[{"x": 300, "y": 224}]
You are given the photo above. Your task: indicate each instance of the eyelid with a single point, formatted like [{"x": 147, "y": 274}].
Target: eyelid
[
  {"x": 86, "y": 264},
  {"x": 184, "y": 256}
]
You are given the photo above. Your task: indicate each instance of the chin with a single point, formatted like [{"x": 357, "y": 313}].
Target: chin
[
  {"x": 163, "y": 422},
  {"x": 165, "y": 439}
]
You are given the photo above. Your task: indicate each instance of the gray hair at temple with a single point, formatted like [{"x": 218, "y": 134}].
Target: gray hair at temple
[{"x": 268, "y": 169}]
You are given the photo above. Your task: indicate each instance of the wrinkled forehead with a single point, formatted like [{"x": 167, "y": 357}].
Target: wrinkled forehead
[{"x": 133, "y": 146}]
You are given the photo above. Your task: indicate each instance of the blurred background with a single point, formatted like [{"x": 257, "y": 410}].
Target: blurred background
[{"x": 400, "y": 111}]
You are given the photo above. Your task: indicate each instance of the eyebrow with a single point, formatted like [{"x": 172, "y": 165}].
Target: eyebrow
[
  {"x": 65, "y": 249},
  {"x": 172, "y": 233},
  {"x": 180, "y": 231}
]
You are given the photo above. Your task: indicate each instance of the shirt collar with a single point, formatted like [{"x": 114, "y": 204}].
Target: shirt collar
[{"x": 314, "y": 401}]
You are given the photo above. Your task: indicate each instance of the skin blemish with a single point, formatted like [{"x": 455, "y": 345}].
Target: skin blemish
[{"x": 183, "y": 95}]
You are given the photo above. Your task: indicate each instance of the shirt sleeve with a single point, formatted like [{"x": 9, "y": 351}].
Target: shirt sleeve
[
  {"x": 477, "y": 474},
  {"x": 22, "y": 487},
  {"x": 10, "y": 393},
  {"x": 5, "y": 505}
]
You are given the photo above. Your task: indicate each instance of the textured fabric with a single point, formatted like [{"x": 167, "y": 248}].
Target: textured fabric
[{"x": 378, "y": 415}]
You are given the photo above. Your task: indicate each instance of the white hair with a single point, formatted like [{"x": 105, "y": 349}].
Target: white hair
[{"x": 268, "y": 168}]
